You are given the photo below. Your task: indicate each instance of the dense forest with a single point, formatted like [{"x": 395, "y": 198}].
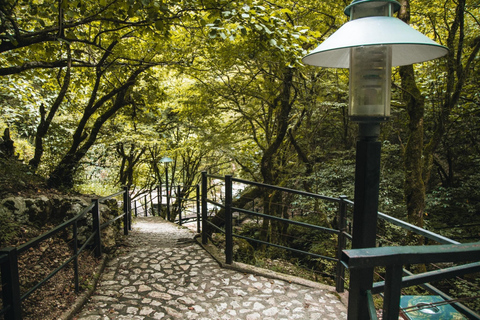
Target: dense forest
[{"x": 95, "y": 93}]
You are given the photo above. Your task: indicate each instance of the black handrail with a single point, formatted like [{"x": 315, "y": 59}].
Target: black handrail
[
  {"x": 393, "y": 258},
  {"x": 229, "y": 209},
  {"x": 298, "y": 192},
  {"x": 342, "y": 237},
  {"x": 12, "y": 298}
]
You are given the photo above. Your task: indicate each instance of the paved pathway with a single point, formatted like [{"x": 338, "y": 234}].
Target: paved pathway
[{"x": 164, "y": 274}]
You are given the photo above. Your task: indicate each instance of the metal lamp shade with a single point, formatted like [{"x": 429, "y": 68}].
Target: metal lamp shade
[
  {"x": 408, "y": 46},
  {"x": 166, "y": 160}
]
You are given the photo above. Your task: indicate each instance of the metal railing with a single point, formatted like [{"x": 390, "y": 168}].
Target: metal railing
[
  {"x": 341, "y": 233},
  {"x": 145, "y": 204},
  {"x": 390, "y": 300},
  {"x": 394, "y": 258},
  {"x": 12, "y": 295}
]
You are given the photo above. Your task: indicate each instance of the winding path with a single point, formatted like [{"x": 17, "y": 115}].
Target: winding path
[{"x": 165, "y": 274}]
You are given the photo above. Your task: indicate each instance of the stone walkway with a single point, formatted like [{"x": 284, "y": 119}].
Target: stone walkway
[{"x": 165, "y": 274}]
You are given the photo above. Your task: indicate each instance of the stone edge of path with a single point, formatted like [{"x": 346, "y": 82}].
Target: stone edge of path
[
  {"x": 83, "y": 297},
  {"x": 246, "y": 268}
]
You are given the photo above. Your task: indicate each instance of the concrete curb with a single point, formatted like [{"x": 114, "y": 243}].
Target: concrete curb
[{"x": 245, "y": 268}]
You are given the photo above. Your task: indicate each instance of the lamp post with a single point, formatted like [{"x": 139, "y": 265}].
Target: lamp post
[
  {"x": 370, "y": 44},
  {"x": 166, "y": 161}
]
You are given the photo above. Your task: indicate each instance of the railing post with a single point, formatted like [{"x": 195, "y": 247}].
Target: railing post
[
  {"x": 204, "y": 207},
  {"x": 228, "y": 220},
  {"x": 151, "y": 203},
  {"x": 159, "y": 199},
  {"x": 146, "y": 205},
  {"x": 11, "y": 284},
  {"x": 198, "y": 208},
  {"x": 342, "y": 227},
  {"x": 393, "y": 286},
  {"x": 135, "y": 205},
  {"x": 129, "y": 210},
  {"x": 125, "y": 210},
  {"x": 96, "y": 228},
  {"x": 179, "y": 201},
  {"x": 75, "y": 253}
]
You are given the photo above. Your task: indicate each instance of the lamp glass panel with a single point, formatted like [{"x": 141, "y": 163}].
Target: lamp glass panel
[
  {"x": 370, "y": 78},
  {"x": 371, "y": 9}
]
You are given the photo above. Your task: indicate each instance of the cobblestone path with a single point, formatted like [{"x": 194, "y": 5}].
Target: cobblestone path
[{"x": 164, "y": 274}]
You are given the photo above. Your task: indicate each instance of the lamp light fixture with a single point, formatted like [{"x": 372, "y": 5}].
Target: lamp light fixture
[{"x": 370, "y": 44}]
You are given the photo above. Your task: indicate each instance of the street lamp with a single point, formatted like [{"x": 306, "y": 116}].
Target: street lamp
[
  {"x": 370, "y": 44},
  {"x": 166, "y": 161}
]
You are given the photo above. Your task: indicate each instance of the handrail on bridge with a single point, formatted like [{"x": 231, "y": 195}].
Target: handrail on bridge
[{"x": 12, "y": 295}]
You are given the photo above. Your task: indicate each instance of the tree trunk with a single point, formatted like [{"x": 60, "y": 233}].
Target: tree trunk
[
  {"x": 45, "y": 122},
  {"x": 62, "y": 176}
]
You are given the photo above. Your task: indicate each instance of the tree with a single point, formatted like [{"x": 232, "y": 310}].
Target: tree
[{"x": 419, "y": 156}]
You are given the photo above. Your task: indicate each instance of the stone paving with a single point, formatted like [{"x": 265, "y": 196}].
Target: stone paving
[{"x": 165, "y": 274}]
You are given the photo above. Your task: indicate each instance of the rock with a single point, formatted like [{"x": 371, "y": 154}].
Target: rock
[{"x": 39, "y": 211}]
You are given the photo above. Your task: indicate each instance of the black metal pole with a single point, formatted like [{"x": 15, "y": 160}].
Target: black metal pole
[
  {"x": 198, "y": 208},
  {"x": 228, "y": 220},
  {"x": 342, "y": 227},
  {"x": 11, "y": 284},
  {"x": 367, "y": 178},
  {"x": 159, "y": 198},
  {"x": 96, "y": 228},
  {"x": 167, "y": 190},
  {"x": 204, "y": 207},
  {"x": 125, "y": 210},
  {"x": 146, "y": 205},
  {"x": 179, "y": 201}
]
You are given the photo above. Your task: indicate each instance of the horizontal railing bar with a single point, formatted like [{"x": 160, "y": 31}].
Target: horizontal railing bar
[
  {"x": 105, "y": 224},
  {"x": 111, "y": 196},
  {"x": 302, "y": 193},
  {"x": 215, "y": 176},
  {"x": 86, "y": 243},
  {"x": 286, "y": 248},
  {"x": 457, "y": 305},
  {"x": 216, "y": 204},
  {"x": 385, "y": 256},
  {"x": 432, "y": 276},
  {"x": 215, "y": 226},
  {"x": 53, "y": 231},
  {"x": 299, "y": 223},
  {"x": 418, "y": 230},
  {"x": 41, "y": 283}
]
